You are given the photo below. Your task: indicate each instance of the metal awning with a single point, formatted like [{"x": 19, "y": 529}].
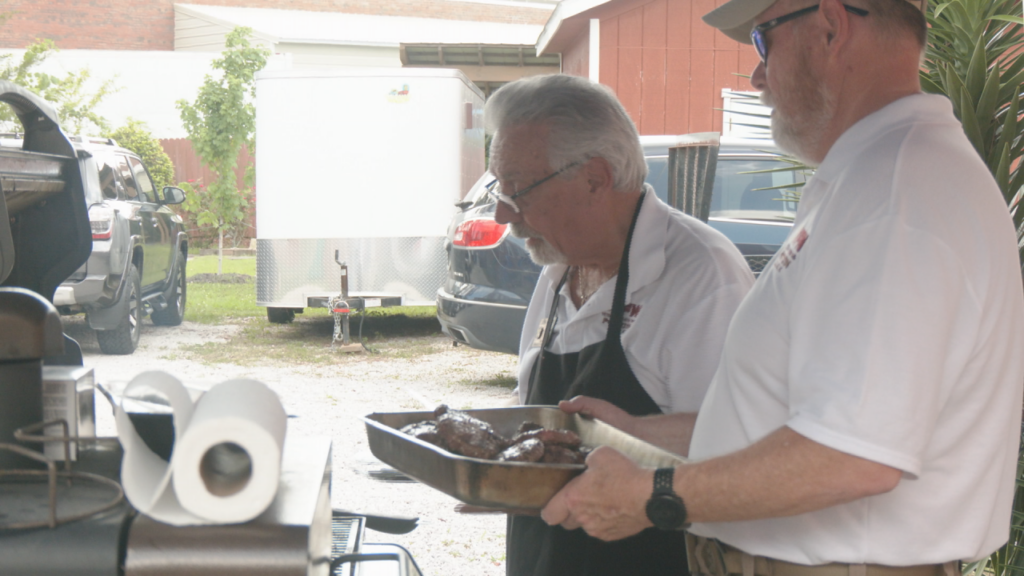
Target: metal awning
[{"x": 475, "y": 55}]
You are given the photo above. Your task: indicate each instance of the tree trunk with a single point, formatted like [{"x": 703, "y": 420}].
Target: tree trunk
[{"x": 220, "y": 251}]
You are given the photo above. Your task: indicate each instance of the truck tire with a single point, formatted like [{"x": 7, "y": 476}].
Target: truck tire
[
  {"x": 280, "y": 315},
  {"x": 125, "y": 338},
  {"x": 175, "y": 311}
]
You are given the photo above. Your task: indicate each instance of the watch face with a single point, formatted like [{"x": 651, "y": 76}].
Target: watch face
[{"x": 666, "y": 512}]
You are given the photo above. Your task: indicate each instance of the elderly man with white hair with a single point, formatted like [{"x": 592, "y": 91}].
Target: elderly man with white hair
[
  {"x": 865, "y": 416},
  {"x": 633, "y": 302}
]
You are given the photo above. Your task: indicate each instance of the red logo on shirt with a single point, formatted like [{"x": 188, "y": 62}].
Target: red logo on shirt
[
  {"x": 630, "y": 312},
  {"x": 789, "y": 250}
]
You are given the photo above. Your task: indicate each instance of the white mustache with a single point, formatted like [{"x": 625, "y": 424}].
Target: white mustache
[{"x": 521, "y": 230}]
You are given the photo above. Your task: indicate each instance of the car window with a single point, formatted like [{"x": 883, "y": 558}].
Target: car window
[
  {"x": 737, "y": 193},
  {"x": 131, "y": 191},
  {"x": 143, "y": 180},
  {"x": 107, "y": 177},
  {"x": 743, "y": 190}
]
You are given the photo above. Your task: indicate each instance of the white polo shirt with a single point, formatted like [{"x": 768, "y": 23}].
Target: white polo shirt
[
  {"x": 685, "y": 281},
  {"x": 889, "y": 326}
]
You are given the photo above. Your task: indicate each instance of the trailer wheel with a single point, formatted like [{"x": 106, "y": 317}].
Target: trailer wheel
[{"x": 280, "y": 315}]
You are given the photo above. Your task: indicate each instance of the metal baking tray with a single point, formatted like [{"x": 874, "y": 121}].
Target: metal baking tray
[{"x": 509, "y": 485}]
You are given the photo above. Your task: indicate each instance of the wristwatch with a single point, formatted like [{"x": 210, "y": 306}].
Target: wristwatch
[{"x": 665, "y": 509}]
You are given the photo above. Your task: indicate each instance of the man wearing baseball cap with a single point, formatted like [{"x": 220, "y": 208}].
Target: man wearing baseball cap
[{"x": 865, "y": 416}]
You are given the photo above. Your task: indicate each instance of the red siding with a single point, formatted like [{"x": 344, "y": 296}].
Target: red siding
[
  {"x": 576, "y": 60},
  {"x": 189, "y": 167},
  {"x": 668, "y": 67}
]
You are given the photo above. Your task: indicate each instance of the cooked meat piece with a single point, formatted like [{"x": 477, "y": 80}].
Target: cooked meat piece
[
  {"x": 527, "y": 426},
  {"x": 529, "y": 450},
  {"x": 555, "y": 454},
  {"x": 566, "y": 438},
  {"x": 469, "y": 436},
  {"x": 426, "y": 431}
]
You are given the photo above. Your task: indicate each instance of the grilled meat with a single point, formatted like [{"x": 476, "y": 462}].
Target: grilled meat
[
  {"x": 426, "y": 431},
  {"x": 469, "y": 436},
  {"x": 458, "y": 432},
  {"x": 566, "y": 438},
  {"x": 555, "y": 454},
  {"x": 529, "y": 450}
]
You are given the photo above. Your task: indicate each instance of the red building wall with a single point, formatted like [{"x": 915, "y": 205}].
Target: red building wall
[
  {"x": 665, "y": 64},
  {"x": 149, "y": 24}
]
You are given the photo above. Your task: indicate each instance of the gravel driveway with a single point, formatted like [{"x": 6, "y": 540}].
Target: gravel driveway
[{"x": 326, "y": 401}]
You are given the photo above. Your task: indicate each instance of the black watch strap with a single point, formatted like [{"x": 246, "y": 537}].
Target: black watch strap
[
  {"x": 663, "y": 481},
  {"x": 666, "y": 509}
]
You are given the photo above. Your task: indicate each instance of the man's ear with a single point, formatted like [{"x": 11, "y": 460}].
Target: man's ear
[
  {"x": 599, "y": 174},
  {"x": 834, "y": 24}
]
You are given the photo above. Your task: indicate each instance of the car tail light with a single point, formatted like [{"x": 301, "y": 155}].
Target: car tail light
[
  {"x": 481, "y": 233},
  {"x": 101, "y": 219}
]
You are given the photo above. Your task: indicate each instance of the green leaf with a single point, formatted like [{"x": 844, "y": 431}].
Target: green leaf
[
  {"x": 970, "y": 122},
  {"x": 975, "y": 80}
]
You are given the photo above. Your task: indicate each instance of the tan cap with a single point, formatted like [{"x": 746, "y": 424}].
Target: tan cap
[{"x": 735, "y": 18}]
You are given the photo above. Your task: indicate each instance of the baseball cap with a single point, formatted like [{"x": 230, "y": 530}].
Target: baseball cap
[{"x": 735, "y": 18}]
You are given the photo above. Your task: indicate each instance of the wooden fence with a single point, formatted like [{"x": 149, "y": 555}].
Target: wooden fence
[{"x": 189, "y": 167}]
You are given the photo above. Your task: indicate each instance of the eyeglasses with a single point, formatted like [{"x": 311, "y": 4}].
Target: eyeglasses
[
  {"x": 495, "y": 190},
  {"x": 757, "y": 34}
]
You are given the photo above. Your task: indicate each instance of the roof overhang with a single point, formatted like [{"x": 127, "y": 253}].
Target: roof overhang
[{"x": 563, "y": 25}]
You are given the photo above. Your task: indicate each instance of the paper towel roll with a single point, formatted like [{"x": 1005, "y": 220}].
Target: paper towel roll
[{"x": 226, "y": 461}]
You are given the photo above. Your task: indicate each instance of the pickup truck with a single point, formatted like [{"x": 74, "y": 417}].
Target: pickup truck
[{"x": 139, "y": 248}]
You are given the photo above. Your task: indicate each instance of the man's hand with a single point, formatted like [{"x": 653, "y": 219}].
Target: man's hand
[
  {"x": 608, "y": 500},
  {"x": 600, "y": 409},
  {"x": 669, "y": 431}
]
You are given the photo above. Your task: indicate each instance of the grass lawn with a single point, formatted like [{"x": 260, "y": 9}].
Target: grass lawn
[{"x": 399, "y": 332}]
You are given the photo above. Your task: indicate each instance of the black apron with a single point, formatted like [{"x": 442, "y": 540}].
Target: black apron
[{"x": 532, "y": 548}]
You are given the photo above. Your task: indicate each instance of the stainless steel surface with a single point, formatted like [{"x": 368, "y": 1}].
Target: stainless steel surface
[
  {"x": 691, "y": 174},
  {"x": 290, "y": 271},
  {"x": 292, "y": 538},
  {"x": 499, "y": 484},
  {"x": 68, "y": 394}
]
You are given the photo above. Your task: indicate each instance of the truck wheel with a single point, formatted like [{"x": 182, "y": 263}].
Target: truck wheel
[
  {"x": 175, "y": 311},
  {"x": 125, "y": 338},
  {"x": 280, "y": 315}
]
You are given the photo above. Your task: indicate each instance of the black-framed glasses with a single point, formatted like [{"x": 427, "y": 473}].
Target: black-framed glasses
[
  {"x": 495, "y": 191},
  {"x": 757, "y": 34}
]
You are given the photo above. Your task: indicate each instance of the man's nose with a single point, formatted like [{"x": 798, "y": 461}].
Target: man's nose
[
  {"x": 504, "y": 214},
  {"x": 757, "y": 77}
]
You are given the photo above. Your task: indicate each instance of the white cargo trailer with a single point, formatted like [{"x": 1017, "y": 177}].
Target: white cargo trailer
[{"x": 367, "y": 163}]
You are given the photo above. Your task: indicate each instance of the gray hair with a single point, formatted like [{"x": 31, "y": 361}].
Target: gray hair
[{"x": 585, "y": 120}]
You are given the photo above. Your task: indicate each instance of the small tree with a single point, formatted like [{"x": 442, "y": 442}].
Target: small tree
[
  {"x": 220, "y": 122},
  {"x": 136, "y": 137},
  {"x": 75, "y": 104}
]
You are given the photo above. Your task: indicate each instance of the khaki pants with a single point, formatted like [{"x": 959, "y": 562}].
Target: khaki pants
[{"x": 709, "y": 557}]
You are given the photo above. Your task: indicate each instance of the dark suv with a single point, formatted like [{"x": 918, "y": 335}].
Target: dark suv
[
  {"x": 491, "y": 276},
  {"x": 139, "y": 249}
]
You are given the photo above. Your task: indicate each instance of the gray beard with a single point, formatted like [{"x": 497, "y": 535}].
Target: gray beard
[
  {"x": 543, "y": 254},
  {"x": 802, "y": 137}
]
